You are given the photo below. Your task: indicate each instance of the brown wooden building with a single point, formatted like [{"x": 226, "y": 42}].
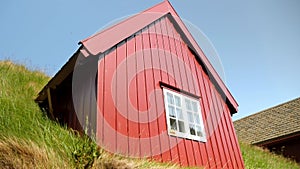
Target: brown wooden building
[{"x": 276, "y": 128}]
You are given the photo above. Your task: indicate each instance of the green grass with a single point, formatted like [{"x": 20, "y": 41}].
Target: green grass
[
  {"x": 28, "y": 139},
  {"x": 22, "y": 121},
  {"x": 256, "y": 158}
]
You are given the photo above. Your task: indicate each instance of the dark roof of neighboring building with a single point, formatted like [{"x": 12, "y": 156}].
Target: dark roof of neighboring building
[{"x": 270, "y": 125}]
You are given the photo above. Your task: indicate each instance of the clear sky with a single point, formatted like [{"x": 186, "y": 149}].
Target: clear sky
[{"x": 258, "y": 42}]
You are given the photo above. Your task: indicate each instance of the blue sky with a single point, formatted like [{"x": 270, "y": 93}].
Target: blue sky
[{"x": 258, "y": 42}]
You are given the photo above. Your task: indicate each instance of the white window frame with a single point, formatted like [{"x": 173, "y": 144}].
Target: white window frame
[{"x": 182, "y": 128}]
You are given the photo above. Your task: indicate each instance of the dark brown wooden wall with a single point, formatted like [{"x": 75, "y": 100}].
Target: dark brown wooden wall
[
  {"x": 63, "y": 109},
  {"x": 288, "y": 148}
]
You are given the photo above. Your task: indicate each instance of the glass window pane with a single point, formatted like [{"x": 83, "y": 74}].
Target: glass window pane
[
  {"x": 179, "y": 113},
  {"x": 172, "y": 111},
  {"x": 173, "y": 124},
  {"x": 183, "y": 115},
  {"x": 192, "y": 129},
  {"x": 190, "y": 117},
  {"x": 199, "y": 131},
  {"x": 195, "y": 106},
  {"x": 170, "y": 98},
  {"x": 188, "y": 104},
  {"x": 197, "y": 118},
  {"x": 181, "y": 126},
  {"x": 177, "y": 101}
]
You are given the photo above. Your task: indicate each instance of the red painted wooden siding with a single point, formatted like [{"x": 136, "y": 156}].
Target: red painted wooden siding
[{"x": 131, "y": 118}]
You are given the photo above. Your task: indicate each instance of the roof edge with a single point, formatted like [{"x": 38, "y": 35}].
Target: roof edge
[
  {"x": 121, "y": 22},
  {"x": 270, "y": 108},
  {"x": 59, "y": 76},
  {"x": 278, "y": 139}
]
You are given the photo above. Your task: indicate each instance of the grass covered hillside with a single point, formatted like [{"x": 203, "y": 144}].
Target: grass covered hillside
[
  {"x": 28, "y": 139},
  {"x": 258, "y": 158}
]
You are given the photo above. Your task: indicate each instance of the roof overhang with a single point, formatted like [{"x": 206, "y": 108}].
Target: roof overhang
[
  {"x": 59, "y": 76},
  {"x": 278, "y": 140}
]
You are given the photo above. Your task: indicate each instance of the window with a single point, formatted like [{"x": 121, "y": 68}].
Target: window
[{"x": 184, "y": 117}]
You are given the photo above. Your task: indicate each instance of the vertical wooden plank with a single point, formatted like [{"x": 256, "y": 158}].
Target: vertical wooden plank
[
  {"x": 133, "y": 126},
  {"x": 84, "y": 103},
  {"x": 189, "y": 152},
  {"x": 174, "y": 59},
  {"x": 155, "y": 60},
  {"x": 161, "y": 53},
  {"x": 199, "y": 149},
  {"x": 215, "y": 135},
  {"x": 190, "y": 66},
  {"x": 109, "y": 107},
  {"x": 197, "y": 153},
  {"x": 210, "y": 161},
  {"x": 181, "y": 62},
  {"x": 167, "y": 49},
  {"x": 231, "y": 145},
  {"x": 176, "y": 152},
  {"x": 151, "y": 100},
  {"x": 192, "y": 147},
  {"x": 236, "y": 147},
  {"x": 142, "y": 99},
  {"x": 166, "y": 156},
  {"x": 100, "y": 101},
  {"x": 228, "y": 148},
  {"x": 91, "y": 70},
  {"x": 50, "y": 103},
  {"x": 218, "y": 112},
  {"x": 185, "y": 146},
  {"x": 171, "y": 79},
  {"x": 121, "y": 100}
]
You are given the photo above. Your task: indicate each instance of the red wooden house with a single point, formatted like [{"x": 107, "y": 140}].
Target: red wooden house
[{"x": 144, "y": 88}]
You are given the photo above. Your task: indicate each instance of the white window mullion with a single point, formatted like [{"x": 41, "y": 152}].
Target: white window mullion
[{"x": 186, "y": 121}]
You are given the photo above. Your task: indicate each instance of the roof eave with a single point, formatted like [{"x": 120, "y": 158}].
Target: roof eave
[
  {"x": 59, "y": 76},
  {"x": 278, "y": 140}
]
